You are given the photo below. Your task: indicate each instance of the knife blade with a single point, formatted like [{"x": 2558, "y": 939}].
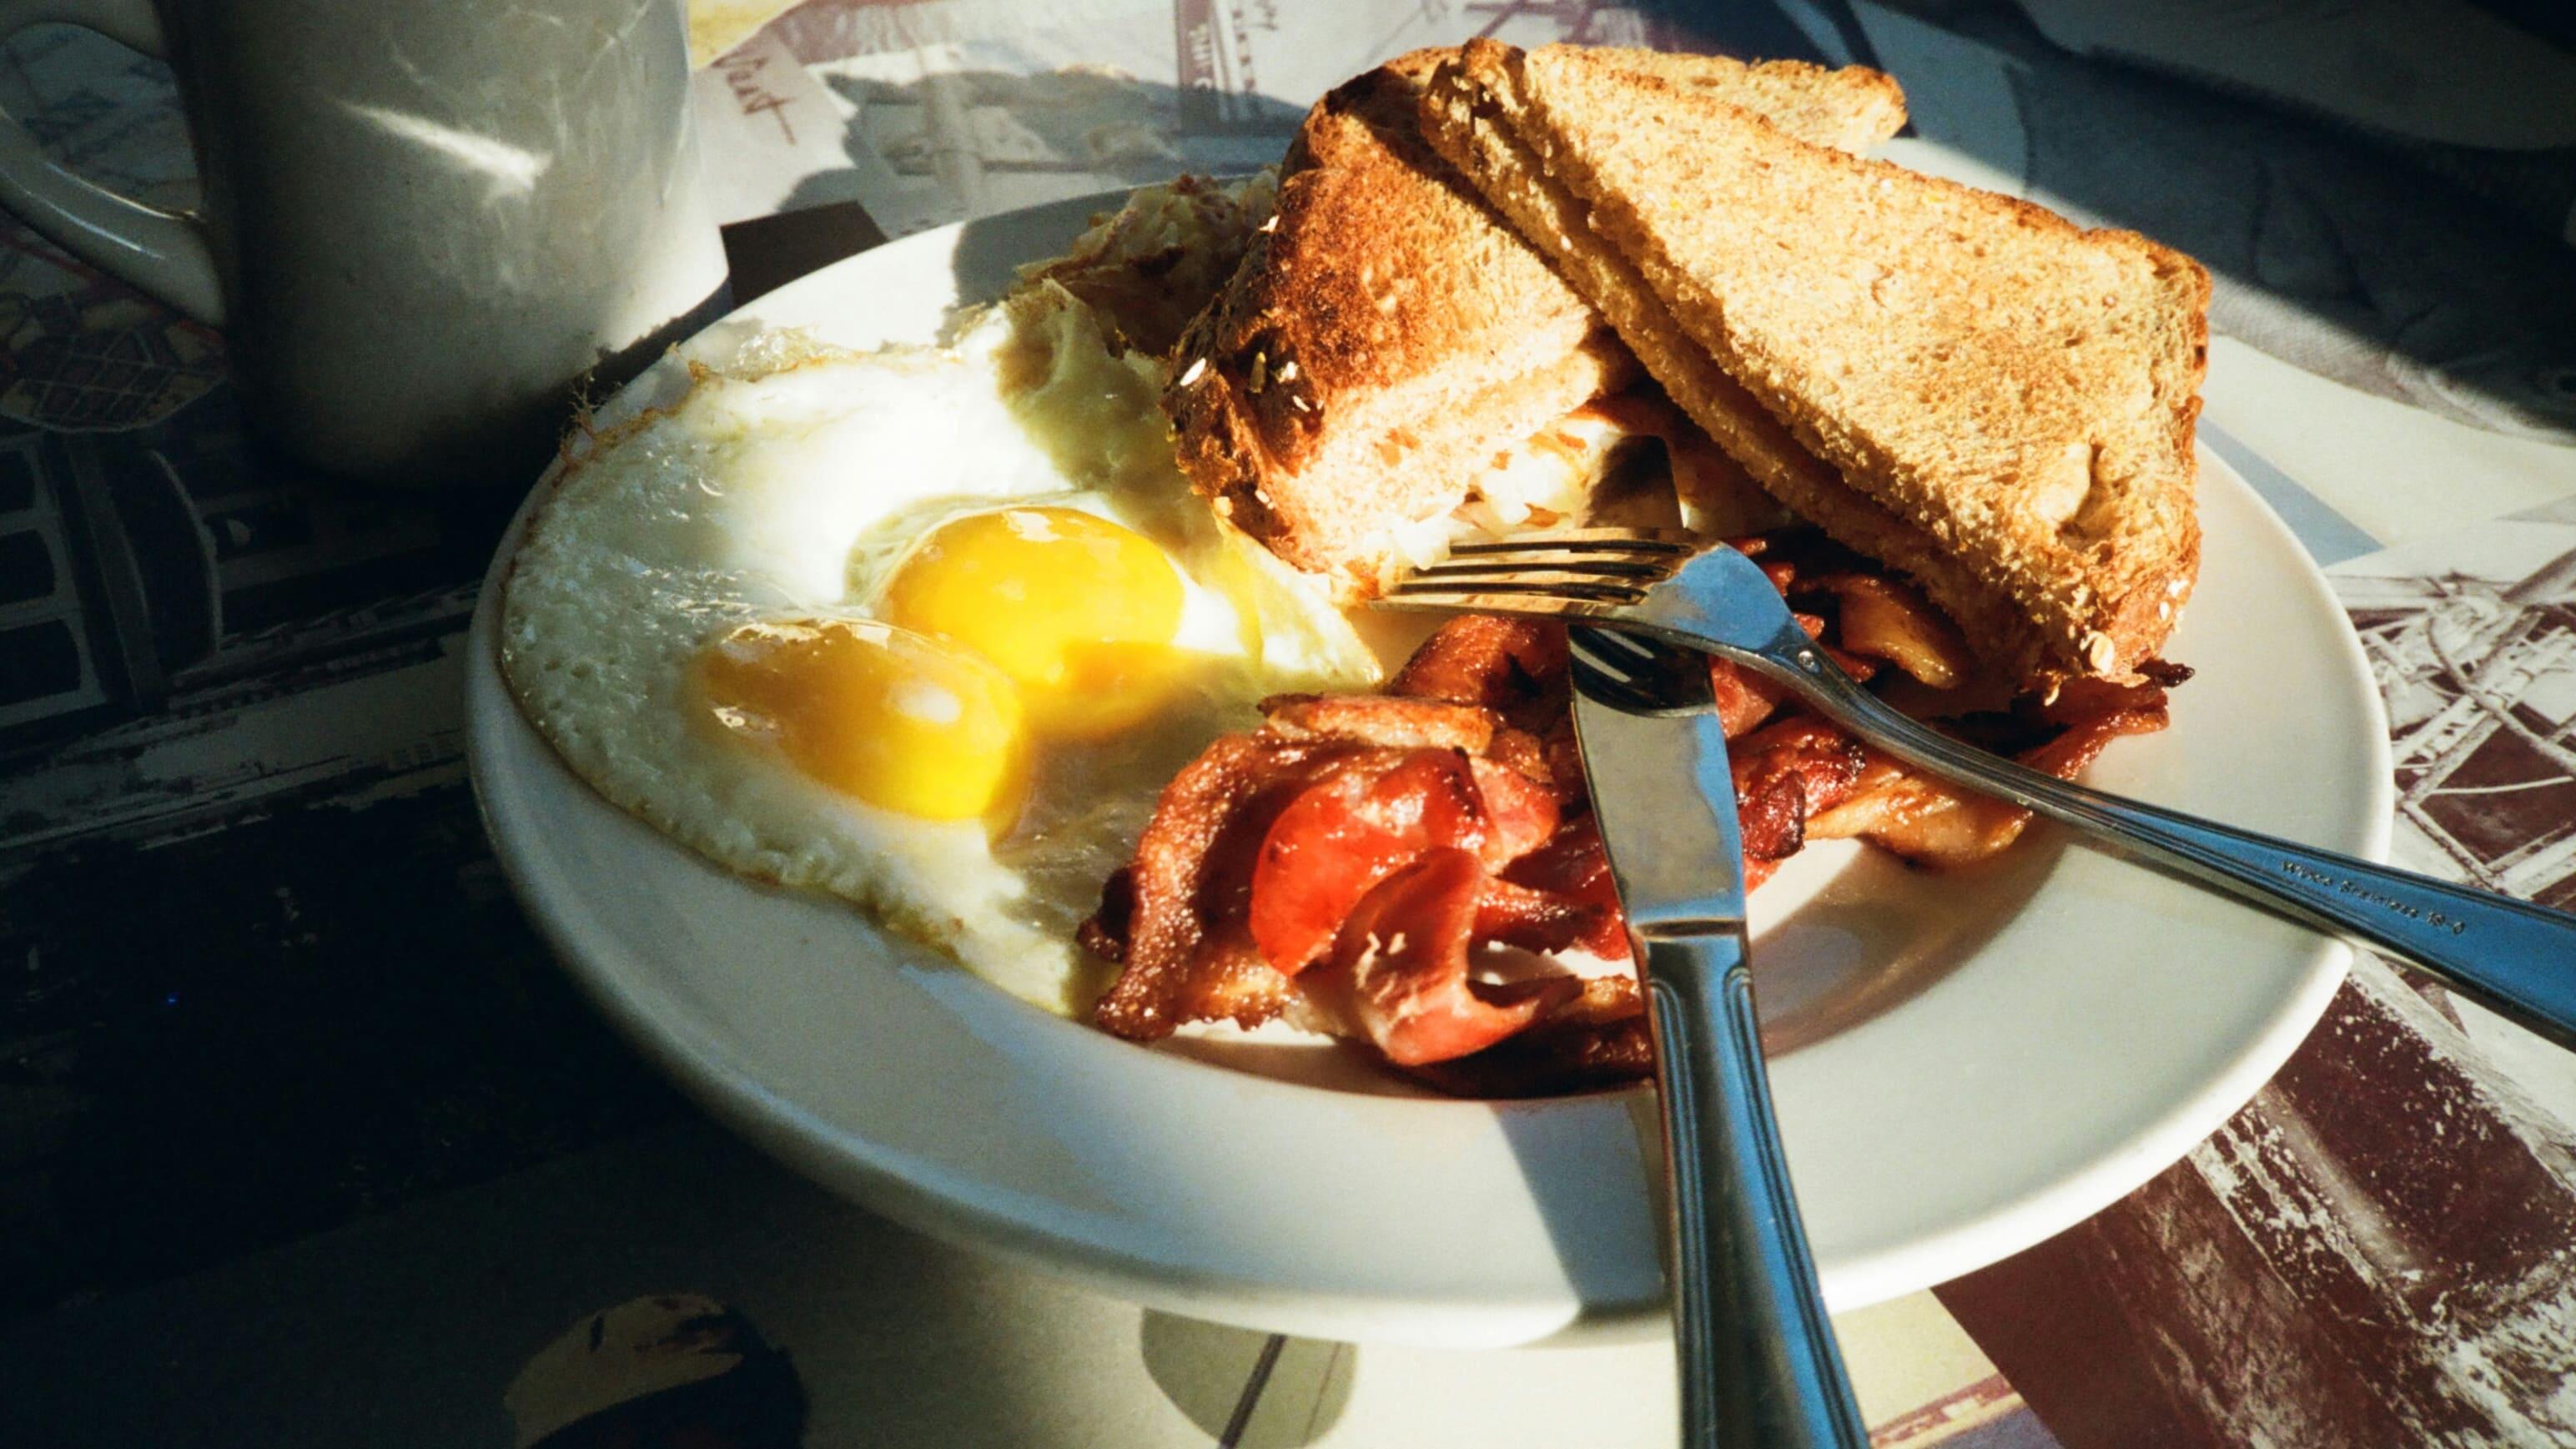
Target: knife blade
[
  {"x": 1662, "y": 791},
  {"x": 1757, "y": 1359}
]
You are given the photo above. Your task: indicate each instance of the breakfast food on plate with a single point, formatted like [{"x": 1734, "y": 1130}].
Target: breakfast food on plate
[
  {"x": 1419, "y": 869},
  {"x": 1035, "y": 645},
  {"x": 1966, "y": 387},
  {"x": 924, "y": 628},
  {"x": 1388, "y": 334},
  {"x": 1966, "y": 402},
  {"x": 1343, "y": 862}
]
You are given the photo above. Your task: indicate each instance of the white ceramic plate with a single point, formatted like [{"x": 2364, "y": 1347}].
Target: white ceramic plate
[{"x": 1974, "y": 1061}]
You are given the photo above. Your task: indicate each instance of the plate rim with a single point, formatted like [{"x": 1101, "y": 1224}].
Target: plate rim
[{"x": 931, "y": 1198}]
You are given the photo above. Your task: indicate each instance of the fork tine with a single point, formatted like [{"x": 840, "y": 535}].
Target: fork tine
[
  {"x": 1592, "y": 566},
  {"x": 1574, "y": 574},
  {"x": 1531, "y": 604},
  {"x": 1506, "y": 557},
  {"x": 1596, "y": 551},
  {"x": 1611, "y": 689},
  {"x": 1675, "y": 681},
  {"x": 1602, "y": 650},
  {"x": 1608, "y": 590},
  {"x": 1629, "y": 653},
  {"x": 1587, "y": 540}
]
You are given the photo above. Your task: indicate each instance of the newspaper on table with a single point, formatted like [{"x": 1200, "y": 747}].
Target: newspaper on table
[
  {"x": 933, "y": 113},
  {"x": 2374, "y": 1249},
  {"x": 2472, "y": 638}
]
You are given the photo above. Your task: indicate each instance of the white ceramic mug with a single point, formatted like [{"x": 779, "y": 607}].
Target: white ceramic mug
[{"x": 424, "y": 221}]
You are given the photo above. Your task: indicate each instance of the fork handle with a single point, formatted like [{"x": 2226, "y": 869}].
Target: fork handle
[
  {"x": 2511, "y": 956},
  {"x": 1755, "y": 1350}
]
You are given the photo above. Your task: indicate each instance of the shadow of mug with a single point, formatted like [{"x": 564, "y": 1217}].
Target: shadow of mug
[{"x": 424, "y": 226}]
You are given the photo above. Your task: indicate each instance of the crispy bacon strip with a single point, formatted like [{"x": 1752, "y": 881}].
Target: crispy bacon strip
[
  {"x": 1933, "y": 822},
  {"x": 2071, "y": 753},
  {"x": 1784, "y": 773},
  {"x": 1480, "y": 659},
  {"x": 2082, "y": 701},
  {"x": 1927, "y": 821},
  {"x": 1520, "y": 814},
  {"x": 1186, "y": 952},
  {"x": 1595, "y": 1038},
  {"x": 1573, "y": 868},
  {"x": 1372, "y": 719},
  {"x": 1882, "y": 618},
  {"x": 1399, "y": 966},
  {"x": 1369, "y": 817},
  {"x": 1517, "y": 668},
  {"x": 1260, "y": 849},
  {"x": 1744, "y": 699},
  {"x": 1539, "y": 920}
]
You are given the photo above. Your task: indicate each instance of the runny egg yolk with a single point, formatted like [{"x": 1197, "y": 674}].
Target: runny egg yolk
[
  {"x": 1077, "y": 610},
  {"x": 903, "y": 722}
]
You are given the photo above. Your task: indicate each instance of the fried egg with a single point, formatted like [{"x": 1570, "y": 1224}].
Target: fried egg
[{"x": 925, "y": 628}]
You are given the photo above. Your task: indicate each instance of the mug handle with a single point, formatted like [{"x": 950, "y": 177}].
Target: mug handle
[{"x": 164, "y": 253}]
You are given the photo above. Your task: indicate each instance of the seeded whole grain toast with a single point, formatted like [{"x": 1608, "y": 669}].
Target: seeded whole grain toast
[
  {"x": 1966, "y": 386},
  {"x": 1390, "y": 333}
]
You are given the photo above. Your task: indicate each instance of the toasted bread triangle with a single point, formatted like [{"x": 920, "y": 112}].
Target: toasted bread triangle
[
  {"x": 2006, "y": 400},
  {"x": 1391, "y": 333}
]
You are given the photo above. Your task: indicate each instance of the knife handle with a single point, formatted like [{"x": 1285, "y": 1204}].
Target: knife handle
[{"x": 1757, "y": 1356}]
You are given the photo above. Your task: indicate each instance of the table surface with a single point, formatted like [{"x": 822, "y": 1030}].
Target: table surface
[{"x": 304, "y": 1140}]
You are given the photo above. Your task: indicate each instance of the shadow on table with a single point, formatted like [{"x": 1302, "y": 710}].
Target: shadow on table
[
  {"x": 1243, "y": 1386},
  {"x": 406, "y": 1330},
  {"x": 979, "y": 143}
]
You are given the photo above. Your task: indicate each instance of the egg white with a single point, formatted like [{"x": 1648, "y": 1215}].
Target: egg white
[{"x": 788, "y": 484}]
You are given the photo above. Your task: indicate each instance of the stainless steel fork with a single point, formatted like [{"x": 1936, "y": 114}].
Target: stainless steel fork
[{"x": 2514, "y": 957}]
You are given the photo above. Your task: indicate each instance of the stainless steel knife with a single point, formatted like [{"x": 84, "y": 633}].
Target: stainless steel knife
[{"x": 1757, "y": 1357}]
